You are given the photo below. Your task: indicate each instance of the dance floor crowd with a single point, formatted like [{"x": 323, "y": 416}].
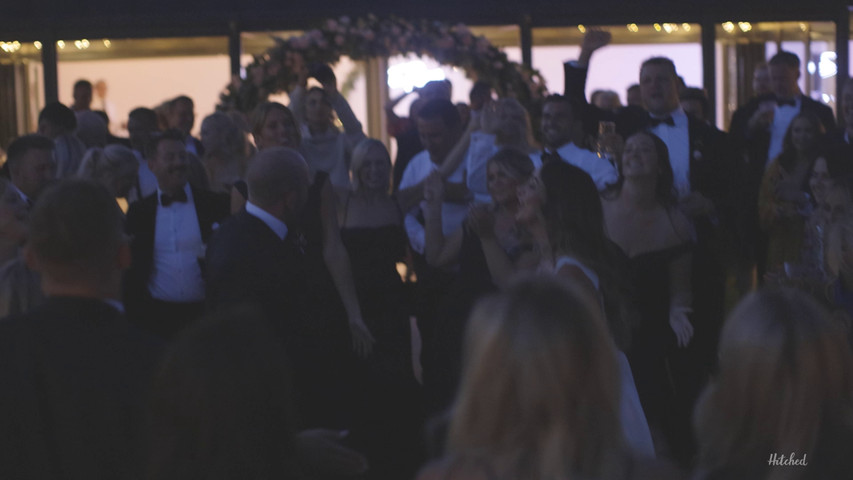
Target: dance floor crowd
[{"x": 623, "y": 292}]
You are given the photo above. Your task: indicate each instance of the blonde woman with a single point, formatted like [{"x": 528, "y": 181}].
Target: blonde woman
[
  {"x": 371, "y": 222},
  {"x": 539, "y": 397},
  {"x": 785, "y": 386},
  {"x": 114, "y": 166}
]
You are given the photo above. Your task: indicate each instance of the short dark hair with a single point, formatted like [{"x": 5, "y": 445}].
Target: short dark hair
[
  {"x": 168, "y": 134},
  {"x": 144, "y": 114},
  {"x": 660, "y": 62},
  {"x": 59, "y": 115},
  {"x": 75, "y": 229},
  {"x": 693, "y": 93},
  {"x": 233, "y": 366},
  {"x": 787, "y": 59},
  {"x": 21, "y": 145},
  {"x": 441, "y": 109},
  {"x": 82, "y": 83},
  {"x": 481, "y": 87},
  {"x": 180, "y": 98},
  {"x": 557, "y": 98}
]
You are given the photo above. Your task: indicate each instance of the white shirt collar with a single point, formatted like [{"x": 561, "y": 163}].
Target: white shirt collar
[{"x": 275, "y": 224}]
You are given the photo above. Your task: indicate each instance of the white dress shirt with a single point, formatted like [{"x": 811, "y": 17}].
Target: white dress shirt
[
  {"x": 452, "y": 214},
  {"x": 600, "y": 169},
  {"x": 176, "y": 274},
  {"x": 677, "y": 140},
  {"x": 277, "y": 226},
  {"x": 782, "y": 117}
]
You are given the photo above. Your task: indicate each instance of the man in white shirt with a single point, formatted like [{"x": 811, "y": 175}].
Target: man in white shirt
[
  {"x": 164, "y": 288},
  {"x": 439, "y": 127},
  {"x": 557, "y": 123}
]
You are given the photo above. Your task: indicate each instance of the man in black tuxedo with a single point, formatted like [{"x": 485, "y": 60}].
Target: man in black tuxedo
[
  {"x": 700, "y": 154},
  {"x": 757, "y": 130},
  {"x": 255, "y": 256},
  {"x": 74, "y": 371},
  {"x": 844, "y": 135},
  {"x": 164, "y": 287}
]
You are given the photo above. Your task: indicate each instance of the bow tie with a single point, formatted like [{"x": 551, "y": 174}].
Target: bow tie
[
  {"x": 654, "y": 122},
  {"x": 166, "y": 200},
  {"x": 548, "y": 157},
  {"x": 790, "y": 102}
]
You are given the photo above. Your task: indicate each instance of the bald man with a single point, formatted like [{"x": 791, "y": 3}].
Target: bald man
[{"x": 252, "y": 258}]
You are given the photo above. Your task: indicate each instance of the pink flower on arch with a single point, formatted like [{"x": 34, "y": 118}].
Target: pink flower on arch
[{"x": 339, "y": 40}]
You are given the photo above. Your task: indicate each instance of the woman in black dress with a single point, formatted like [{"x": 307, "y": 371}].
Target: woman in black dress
[
  {"x": 372, "y": 231},
  {"x": 641, "y": 218}
]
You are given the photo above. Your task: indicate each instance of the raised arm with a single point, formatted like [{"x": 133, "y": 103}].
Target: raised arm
[
  {"x": 576, "y": 72},
  {"x": 439, "y": 251},
  {"x": 501, "y": 267}
]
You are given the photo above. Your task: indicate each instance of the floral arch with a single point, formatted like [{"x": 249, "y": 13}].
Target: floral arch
[{"x": 371, "y": 36}]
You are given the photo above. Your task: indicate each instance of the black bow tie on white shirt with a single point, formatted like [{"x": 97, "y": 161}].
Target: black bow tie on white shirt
[
  {"x": 790, "y": 102},
  {"x": 166, "y": 200},
  {"x": 654, "y": 122}
]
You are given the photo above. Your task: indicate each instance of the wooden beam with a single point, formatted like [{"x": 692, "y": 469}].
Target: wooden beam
[
  {"x": 709, "y": 66},
  {"x": 51, "y": 79},
  {"x": 842, "y": 59}
]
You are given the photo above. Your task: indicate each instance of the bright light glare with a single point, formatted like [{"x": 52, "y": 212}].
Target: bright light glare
[
  {"x": 827, "y": 67},
  {"x": 406, "y": 76}
]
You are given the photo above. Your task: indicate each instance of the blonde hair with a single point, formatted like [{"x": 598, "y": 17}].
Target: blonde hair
[
  {"x": 539, "y": 396},
  {"x": 104, "y": 165},
  {"x": 785, "y": 385},
  {"x": 509, "y": 121},
  {"x": 259, "y": 117},
  {"x": 359, "y": 155}
]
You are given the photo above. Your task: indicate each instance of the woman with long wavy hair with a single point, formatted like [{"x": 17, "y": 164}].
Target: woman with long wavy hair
[
  {"x": 785, "y": 386},
  {"x": 561, "y": 209},
  {"x": 539, "y": 397}
]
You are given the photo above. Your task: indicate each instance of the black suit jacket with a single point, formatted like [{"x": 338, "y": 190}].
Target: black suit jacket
[
  {"x": 74, "y": 376},
  {"x": 210, "y": 208},
  {"x": 247, "y": 263},
  {"x": 755, "y": 144},
  {"x": 836, "y": 138}
]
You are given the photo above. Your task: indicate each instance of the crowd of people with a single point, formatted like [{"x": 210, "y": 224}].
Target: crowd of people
[{"x": 278, "y": 299}]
